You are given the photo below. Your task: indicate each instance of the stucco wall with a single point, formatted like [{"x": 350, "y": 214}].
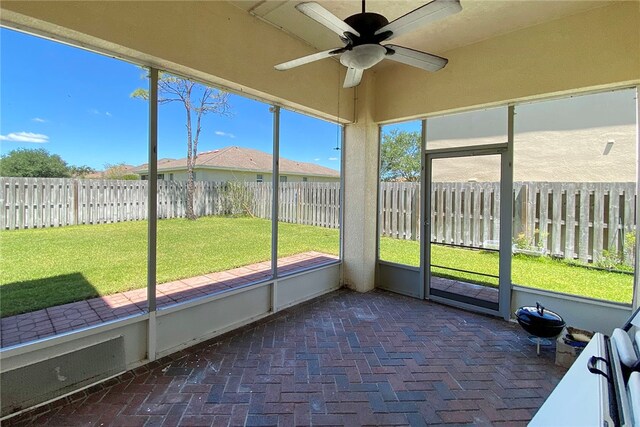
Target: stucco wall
[
  {"x": 595, "y": 49},
  {"x": 225, "y": 45},
  {"x": 361, "y": 190},
  {"x": 210, "y": 40}
]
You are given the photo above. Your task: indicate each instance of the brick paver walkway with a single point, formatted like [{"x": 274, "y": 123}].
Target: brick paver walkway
[
  {"x": 470, "y": 290},
  {"x": 68, "y": 317},
  {"x": 342, "y": 359}
]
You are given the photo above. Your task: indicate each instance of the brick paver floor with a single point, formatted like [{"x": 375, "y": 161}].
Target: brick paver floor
[
  {"x": 68, "y": 317},
  {"x": 345, "y": 358},
  {"x": 470, "y": 290}
]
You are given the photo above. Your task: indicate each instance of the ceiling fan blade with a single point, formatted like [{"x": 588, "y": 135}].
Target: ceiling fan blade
[
  {"x": 324, "y": 17},
  {"x": 309, "y": 58},
  {"x": 354, "y": 75},
  {"x": 415, "y": 58},
  {"x": 430, "y": 12}
]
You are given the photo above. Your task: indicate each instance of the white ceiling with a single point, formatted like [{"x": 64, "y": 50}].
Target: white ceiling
[{"x": 479, "y": 19}]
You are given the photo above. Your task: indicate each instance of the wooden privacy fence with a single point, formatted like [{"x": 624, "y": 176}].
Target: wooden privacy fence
[
  {"x": 466, "y": 213},
  {"x": 310, "y": 203},
  {"x": 56, "y": 202},
  {"x": 400, "y": 210},
  {"x": 577, "y": 220}
]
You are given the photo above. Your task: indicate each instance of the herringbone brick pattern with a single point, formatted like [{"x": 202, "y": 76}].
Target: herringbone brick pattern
[{"x": 342, "y": 359}]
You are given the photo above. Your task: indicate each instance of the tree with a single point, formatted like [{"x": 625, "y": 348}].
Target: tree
[
  {"x": 37, "y": 163},
  {"x": 198, "y": 101},
  {"x": 400, "y": 156},
  {"x": 80, "y": 171},
  {"x": 119, "y": 171}
]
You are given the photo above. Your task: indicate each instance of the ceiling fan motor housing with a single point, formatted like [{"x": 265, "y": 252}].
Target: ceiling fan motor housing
[
  {"x": 364, "y": 52},
  {"x": 367, "y": 24}
]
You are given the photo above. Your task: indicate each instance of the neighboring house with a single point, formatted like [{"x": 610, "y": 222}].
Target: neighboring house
[
  {"x": 596, "y": 154},
  {"x": 239, "y": 164}
]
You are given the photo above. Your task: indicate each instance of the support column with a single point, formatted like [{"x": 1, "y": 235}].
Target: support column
[
  {"x": 636, "y": 275},
  {"x": 152, "y": 213},
  {"x": 361, "y": 192}
]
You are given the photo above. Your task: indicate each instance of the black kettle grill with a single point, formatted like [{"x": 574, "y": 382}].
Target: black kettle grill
[{"x": 540, "y": 322}]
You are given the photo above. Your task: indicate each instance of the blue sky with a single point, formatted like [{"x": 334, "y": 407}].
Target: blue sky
[{"x": 77, "y": 104}]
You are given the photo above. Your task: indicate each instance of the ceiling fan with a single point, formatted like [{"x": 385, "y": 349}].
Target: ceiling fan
[{"x": 364, "y": 32}]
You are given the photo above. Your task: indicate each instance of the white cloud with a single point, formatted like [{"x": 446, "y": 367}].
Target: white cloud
[
  {"x": 37, "y": 138},
  {"x": 333, "y": 158},
  {"x": 38, "y": 120},
  {"x": 221, "y": 133},
  {"x": 316, "y": 160},
  {"x": 97, "y": 112}
]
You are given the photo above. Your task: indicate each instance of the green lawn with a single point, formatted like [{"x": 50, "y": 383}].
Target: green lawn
[
  {"x": 47, "y": 267},
  {"x": 535, "y": 272}
]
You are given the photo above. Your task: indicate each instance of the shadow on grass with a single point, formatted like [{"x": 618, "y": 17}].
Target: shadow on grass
[
  {"x": 64, "y": 290},
  {"x": 31, "y": 295}
]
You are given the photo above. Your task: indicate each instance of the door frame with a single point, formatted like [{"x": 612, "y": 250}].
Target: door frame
[{"x": 505, "y": 150}]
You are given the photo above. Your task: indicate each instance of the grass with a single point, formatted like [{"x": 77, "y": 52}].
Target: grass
[
  {"x": 48, "y": 267},
  {"x": 534, "y": 272}
]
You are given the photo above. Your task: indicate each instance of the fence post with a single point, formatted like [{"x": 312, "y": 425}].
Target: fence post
[
  {"x": 543, "y": 222},
  {"x": 614, "y": 223},
  {"x": 598, "y": 222},
  {"x": 486, "y": 210},
  {"x": 629, "y": 221},
  {"x": 447, "y": 212},
  {"x": 497, "y": 195},
  {"x": 570, "y": 222},
  {"x": 520, "y": 208},
  {"x": 583, "y": 225},
  {"x": 477, "y": 238},
  {"x": 556, "y": 221}
]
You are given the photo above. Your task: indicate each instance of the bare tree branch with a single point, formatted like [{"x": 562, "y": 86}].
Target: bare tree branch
[{"x": 198, "y": 100}]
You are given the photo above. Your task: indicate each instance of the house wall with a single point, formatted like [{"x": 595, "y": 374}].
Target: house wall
[
  {"x": 223, "y": 176},
  {"x": 210, "y": 40},
  {"x": 595, "y": 49}
]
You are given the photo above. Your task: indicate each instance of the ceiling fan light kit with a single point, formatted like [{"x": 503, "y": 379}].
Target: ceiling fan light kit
[
  {"x": 363, "y": 57},
  {"x": 364, "y": 32}
]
